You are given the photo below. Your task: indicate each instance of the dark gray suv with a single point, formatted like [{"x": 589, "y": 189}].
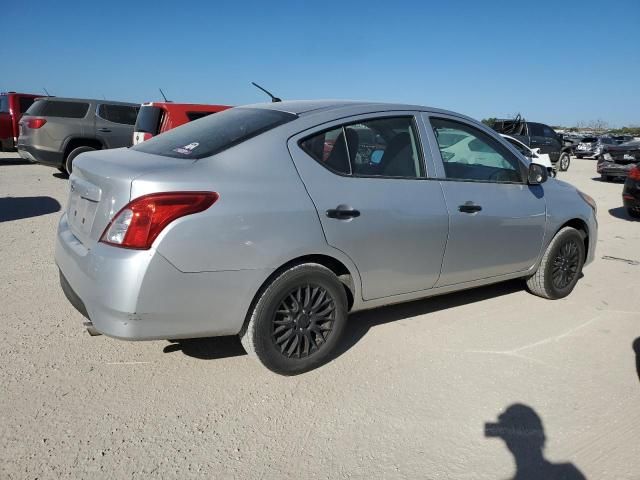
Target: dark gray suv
[{"x": 54, "y": 131}]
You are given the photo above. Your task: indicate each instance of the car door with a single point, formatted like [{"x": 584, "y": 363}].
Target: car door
[
  {"x": 366, "y": 177},
  {"x": 496, "y": 221},
  {"x": 114, "y": 124}
]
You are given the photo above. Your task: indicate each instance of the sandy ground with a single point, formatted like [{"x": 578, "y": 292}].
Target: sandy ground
[{"x": 408, "y": 397}]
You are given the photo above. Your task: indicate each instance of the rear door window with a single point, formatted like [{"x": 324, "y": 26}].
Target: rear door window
[
  {"x": 123, "y": 114},
  {"x": 536, "y": 130},
  {"x": 214, "y": 133}
]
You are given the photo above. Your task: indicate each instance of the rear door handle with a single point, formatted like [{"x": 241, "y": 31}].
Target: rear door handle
[
  {"x": 104, "y": 130},
  {"x": 343, "y": 212},
  {"x": 469, "y": 207}
]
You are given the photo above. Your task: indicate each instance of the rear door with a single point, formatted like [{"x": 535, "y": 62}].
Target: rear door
[
  {"x": 114, "y": 124},
  {"x": 367, "y": 179},
  {"x": 496, "y": 221}
]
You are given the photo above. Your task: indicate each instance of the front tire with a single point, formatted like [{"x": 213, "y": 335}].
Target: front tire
[
  {"x": 564, "y": 162},
  {"x": 297, "y": 320},
  {"x": 604, "y": 178},
  {"x": 560, "y": 267},
  {"x": 68, "y": 164}
]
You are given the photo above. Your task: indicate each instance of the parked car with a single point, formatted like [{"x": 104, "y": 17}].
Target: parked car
[
  {"x": 157, "y": 117},
  {"x": 631, "y": 192},
  {"x": 620, "y": 139},
  {"x": 538, "y": 135},
  {"x": 54, "y": 131},
  {"x": 533, "y": 155},
  {"x": 12, "y": 107},
  {"x": 239, "y": 224},
  {"x": 592, "y": 146},
  {"x": 618, "y": 160}
]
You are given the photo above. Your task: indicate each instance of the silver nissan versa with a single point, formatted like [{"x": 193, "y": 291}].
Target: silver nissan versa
[{"x": 275, "y": 221}]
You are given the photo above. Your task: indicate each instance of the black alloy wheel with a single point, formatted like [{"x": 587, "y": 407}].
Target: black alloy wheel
[{"x": 566, "y": 264}]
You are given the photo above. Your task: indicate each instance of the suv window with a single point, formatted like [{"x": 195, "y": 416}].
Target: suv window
[
  {"x": 548, "y": 132},
  {"x": 196, "y": 115},
  {"x": 536, "y": 130},
  {"x": 4, "y": 104},
  {"x": 477, "y": 157},
  {"x": 50, "y": 108},
  {"x": 214, "y": 133},
  {"x": 385, "y": 147},
  {"x": 123, "y": 114}
]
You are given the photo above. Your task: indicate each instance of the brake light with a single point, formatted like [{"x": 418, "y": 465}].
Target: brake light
[
  {"x": 634, "y": 173},
  {"x": 140, "y": 222},
  {"x": 36, "y": 122}
]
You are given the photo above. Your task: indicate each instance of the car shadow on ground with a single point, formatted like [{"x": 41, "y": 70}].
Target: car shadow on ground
[
  {"x": 636, "y": 349},
  {"x": 622, "y": 214},
  {"x": 361, "y": 322},
  {"x": 16, "y": 208},
  {"x": 522, "y": 431},
  {"x": 9, "y": 162},
  {"x": 611, "y": 179},
  {"x": 212, "y": 348}
]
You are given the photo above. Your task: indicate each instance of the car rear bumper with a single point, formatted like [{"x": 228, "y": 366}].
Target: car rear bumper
[
  {"x": 139, "y": 295},
  {"x": 43, "y": 157}
]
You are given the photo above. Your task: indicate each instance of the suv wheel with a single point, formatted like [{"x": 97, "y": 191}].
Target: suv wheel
[
  {"x": 296, "y": 322},
  {"x": 68, "y": 164},
  {"x": 560, "y": 267},
  {"x": 564, "y": 162}
]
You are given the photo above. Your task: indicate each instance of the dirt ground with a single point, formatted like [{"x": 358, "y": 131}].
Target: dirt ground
[{"x": 408, "y": 397}]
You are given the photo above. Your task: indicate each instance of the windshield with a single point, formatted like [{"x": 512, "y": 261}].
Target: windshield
[
  {"x": 214, "y": 133},
  {"x": 589, "y": 140}
]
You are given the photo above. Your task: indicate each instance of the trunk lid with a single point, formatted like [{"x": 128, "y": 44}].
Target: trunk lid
[{"x": 101, "y": 185}]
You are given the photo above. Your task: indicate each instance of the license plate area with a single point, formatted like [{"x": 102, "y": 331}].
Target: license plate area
[{"x": 81, "y": 213}]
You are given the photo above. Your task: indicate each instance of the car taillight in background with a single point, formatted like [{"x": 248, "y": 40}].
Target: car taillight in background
[
  {"x": 634, "y": 173},
  {"x": 139, "y": 223},
  {"x": 36, "y": 122}
]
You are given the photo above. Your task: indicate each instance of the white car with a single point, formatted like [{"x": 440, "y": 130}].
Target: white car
[{"x": 534, "y": 155}]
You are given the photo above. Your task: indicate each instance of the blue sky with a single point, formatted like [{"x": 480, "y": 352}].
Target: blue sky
[{"x": 557, "y": 62}]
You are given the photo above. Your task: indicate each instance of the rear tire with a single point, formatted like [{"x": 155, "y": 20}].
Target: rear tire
[
  {"x": 633, "y": 213},
  {"x": 560, "y": 267},
  {"x": 68, "y": 164},
  {"x": 564, "y": 162},
  {"x": 605, "y": 178},
  {"x": 296, "y": 321}
]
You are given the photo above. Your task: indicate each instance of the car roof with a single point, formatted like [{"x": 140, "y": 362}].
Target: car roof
[
  {"x": 304, "y": 107},
  {"x": 86, "y": 100}
]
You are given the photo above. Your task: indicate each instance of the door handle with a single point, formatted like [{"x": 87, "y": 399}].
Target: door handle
[
  {"x": 104, "y": 130},
  {"x": 342, "y": 212},
  {"x": 469, "y": 207}
]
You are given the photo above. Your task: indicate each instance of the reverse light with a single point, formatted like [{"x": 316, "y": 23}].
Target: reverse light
[
  {"x": 140, "y": 222},
  {"x": 36, "y": 122},
  {"x": 634, "y": 173}
]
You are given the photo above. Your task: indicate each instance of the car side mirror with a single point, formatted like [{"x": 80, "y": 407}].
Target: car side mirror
[{"x": 537, "y": 174}]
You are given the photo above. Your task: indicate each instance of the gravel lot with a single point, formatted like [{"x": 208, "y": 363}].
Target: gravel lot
[{"x": 408, "y": 397}]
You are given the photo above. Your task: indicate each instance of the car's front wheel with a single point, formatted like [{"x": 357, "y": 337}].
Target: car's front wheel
[
  {"x": 296, "y": 321},
  {"x": 564, "y": 162},
  {"x": 560, "y": 267}
]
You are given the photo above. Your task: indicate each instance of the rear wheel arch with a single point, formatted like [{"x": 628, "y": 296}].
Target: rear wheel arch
[{"x": 75, "y": 142}]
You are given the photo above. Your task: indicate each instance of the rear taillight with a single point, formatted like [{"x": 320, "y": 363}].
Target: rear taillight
[
  {"x": 36, "y": 122},
  {"x": 634, "y": 173},
  {"x": 139, "y": 223}
]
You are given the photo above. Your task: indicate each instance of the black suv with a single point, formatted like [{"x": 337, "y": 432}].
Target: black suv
[
  {"x": 54, "y": 131},
  {"x": 537, "y": 135}
]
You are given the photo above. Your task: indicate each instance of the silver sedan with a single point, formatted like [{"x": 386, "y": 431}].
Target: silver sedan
[{"x": 274, "y": 221}]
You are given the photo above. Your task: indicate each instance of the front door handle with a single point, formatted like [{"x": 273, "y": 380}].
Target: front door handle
[
  {"x": 343, "y": 212},
  {"x": 104, "y": 130},
  {"x": 469, "y": 207}
]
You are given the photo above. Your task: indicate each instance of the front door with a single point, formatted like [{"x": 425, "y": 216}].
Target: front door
[
  {"x": 497, "y": 221},
  {"x": 366, "y": 177}
]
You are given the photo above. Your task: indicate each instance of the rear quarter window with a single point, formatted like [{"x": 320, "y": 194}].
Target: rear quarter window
[
  {"x": 123, "y": 114},
  {"x": 25, "y": 103},
  {"x": 214, "y": 133}
]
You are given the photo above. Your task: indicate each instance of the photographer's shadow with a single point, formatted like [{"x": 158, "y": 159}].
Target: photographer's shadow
[{"x": 523, "y": 433}]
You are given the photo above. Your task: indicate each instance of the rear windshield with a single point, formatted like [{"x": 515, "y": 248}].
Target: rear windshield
[
  {"x": 214, "y": 133},
  {"x": 50, "y": 108},
  {"x": 148, "y": 120}
]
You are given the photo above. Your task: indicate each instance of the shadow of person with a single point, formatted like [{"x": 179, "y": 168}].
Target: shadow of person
[
  {"x": 621, "y": 213},
  {"x": 636, "y": 348},
  {"x": 16, "y": 208},
  {"x": 521, "y": 429}
]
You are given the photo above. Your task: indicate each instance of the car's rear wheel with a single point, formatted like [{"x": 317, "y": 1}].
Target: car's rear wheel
[
  {"x": 296, "y": 320},
  {"x": 68, "y": 164},
  {"x": 633, "y": 212},
  {"x": 564, "y": 162},
  {"x": 560, "y": 267}
]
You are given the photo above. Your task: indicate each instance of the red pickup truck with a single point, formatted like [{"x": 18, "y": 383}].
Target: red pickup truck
[
  {"x": 158, "y": 117},
  {"x": 12, "y": 107}
]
